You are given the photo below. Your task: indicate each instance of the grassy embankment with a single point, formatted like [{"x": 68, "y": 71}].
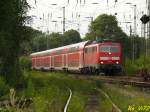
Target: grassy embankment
[
  {"x": 126, "y": 97},
  {"x": 132, "y": 68},
  {"x": 49, "y": 92}
]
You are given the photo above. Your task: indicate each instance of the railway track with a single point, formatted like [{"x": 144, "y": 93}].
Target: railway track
[
  {"x": 124, "y": 80},
  {"x": 92, "y": 104},
  {"x": 68, "y": 101}
]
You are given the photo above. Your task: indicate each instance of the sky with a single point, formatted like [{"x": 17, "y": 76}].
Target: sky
[{"x": 47, "y": 14}]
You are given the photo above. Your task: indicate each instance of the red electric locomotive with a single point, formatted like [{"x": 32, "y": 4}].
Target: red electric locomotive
[{"x": 86, "y": 57}]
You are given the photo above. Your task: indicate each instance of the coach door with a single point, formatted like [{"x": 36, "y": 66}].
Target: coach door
[
  {"x": 52, "y": 62},
  {"x": 64, "y": 60},
  {"x": 50, "y": 65}
]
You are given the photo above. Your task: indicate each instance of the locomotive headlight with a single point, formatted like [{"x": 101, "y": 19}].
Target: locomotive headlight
[
  {"x": 102, "y": 62},
  {"x": 117, "y": 62}
]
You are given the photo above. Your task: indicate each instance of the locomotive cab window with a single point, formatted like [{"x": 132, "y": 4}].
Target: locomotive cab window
[{"x": 112, "y": 49}]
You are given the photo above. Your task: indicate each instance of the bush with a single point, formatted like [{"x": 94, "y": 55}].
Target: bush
[
  {"x": 25, "y": 63},
  {"x": 130, "y": 67},
  {"x": 29, "y": 92},
  {"x": 137, "y": 65},
  {"x": 4, "y": 88}
]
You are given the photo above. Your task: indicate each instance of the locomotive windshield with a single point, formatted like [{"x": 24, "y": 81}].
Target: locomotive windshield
[{"x": 112, "y": 49}]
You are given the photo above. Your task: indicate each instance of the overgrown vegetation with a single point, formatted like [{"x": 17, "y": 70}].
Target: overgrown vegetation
[
  {"x": 126, "y": 96},
  {"x": 134, "y": 67},
  {"x": 53, "y": 89},
  {"x": 105, "y": 105},
  {"x": 49, "y": 92},
  {"x": 25, "y": 63},
  {"x": 12, "y": 34},
  {"x": 4, "y": 88}
]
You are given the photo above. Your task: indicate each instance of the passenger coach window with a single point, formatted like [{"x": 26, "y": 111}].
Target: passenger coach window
[
  {"x": 113, "y": 49},
  {"x": 73, "y": 49},
  {"x": 58, "y": 52},
  {"x": 90, "y": 49}
]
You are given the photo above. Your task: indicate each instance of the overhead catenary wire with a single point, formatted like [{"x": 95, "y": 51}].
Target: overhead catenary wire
[{"x": 77, "y": 7}]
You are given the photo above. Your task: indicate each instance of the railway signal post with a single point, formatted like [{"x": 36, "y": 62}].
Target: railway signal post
[{"x": 145, "y": 19}]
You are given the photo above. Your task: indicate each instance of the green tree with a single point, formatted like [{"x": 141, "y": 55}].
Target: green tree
[
  {"x": 71, "y": 36},
  {"x": 43, "y": 42},
  {"x": 39, "y": 43},
  {"x": 106, "y": 26},
  {"x": 89, "y": 36},
  {"x": 27, "y": 45},
  {"x": 12, "y": 34},
  {"x": 54, "y": 40}
]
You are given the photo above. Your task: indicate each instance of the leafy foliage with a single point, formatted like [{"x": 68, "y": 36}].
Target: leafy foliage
[
  {"x": 106, "y": 26},
  {"x": 135, "y": 67},
  {"x": 54, "y": 40},
  {"x": 25, "y": 63},
  {"x": 26, "y": 46},
  {"x": 12, "y": 35},
  {"x": 4, "y": 88},
  {"x": 71, "y": 36}
]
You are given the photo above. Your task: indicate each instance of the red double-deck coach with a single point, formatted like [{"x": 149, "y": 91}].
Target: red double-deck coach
[{"x": 86, "y": 57}]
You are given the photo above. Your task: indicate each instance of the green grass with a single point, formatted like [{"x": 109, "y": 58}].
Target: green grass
[
  {"x": 132, "y": 68},
  {"x": 61, "y": 81},
  {"x": 128, "y": 96},
  {"x": 77, "y": 103},
  {"x": 49, "y": 91},
  {"x": 105, "y": 105}
]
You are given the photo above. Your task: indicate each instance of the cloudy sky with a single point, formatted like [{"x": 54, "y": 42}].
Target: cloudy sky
[{"x": 47, "y": 14}]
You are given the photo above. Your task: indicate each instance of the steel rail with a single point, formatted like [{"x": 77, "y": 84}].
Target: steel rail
[
  {"x": 106, "y": 95},
  {"x": 68, "y": 101},
  {"x": 126, "y": 81}
]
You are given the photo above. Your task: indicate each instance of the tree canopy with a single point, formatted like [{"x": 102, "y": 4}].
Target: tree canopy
[
  {"x": 12, "y": 35},
  {"x": 54, "y": 40},
  {"x": 71, "y": 36},
  {"x": 105, "y": 26}
]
